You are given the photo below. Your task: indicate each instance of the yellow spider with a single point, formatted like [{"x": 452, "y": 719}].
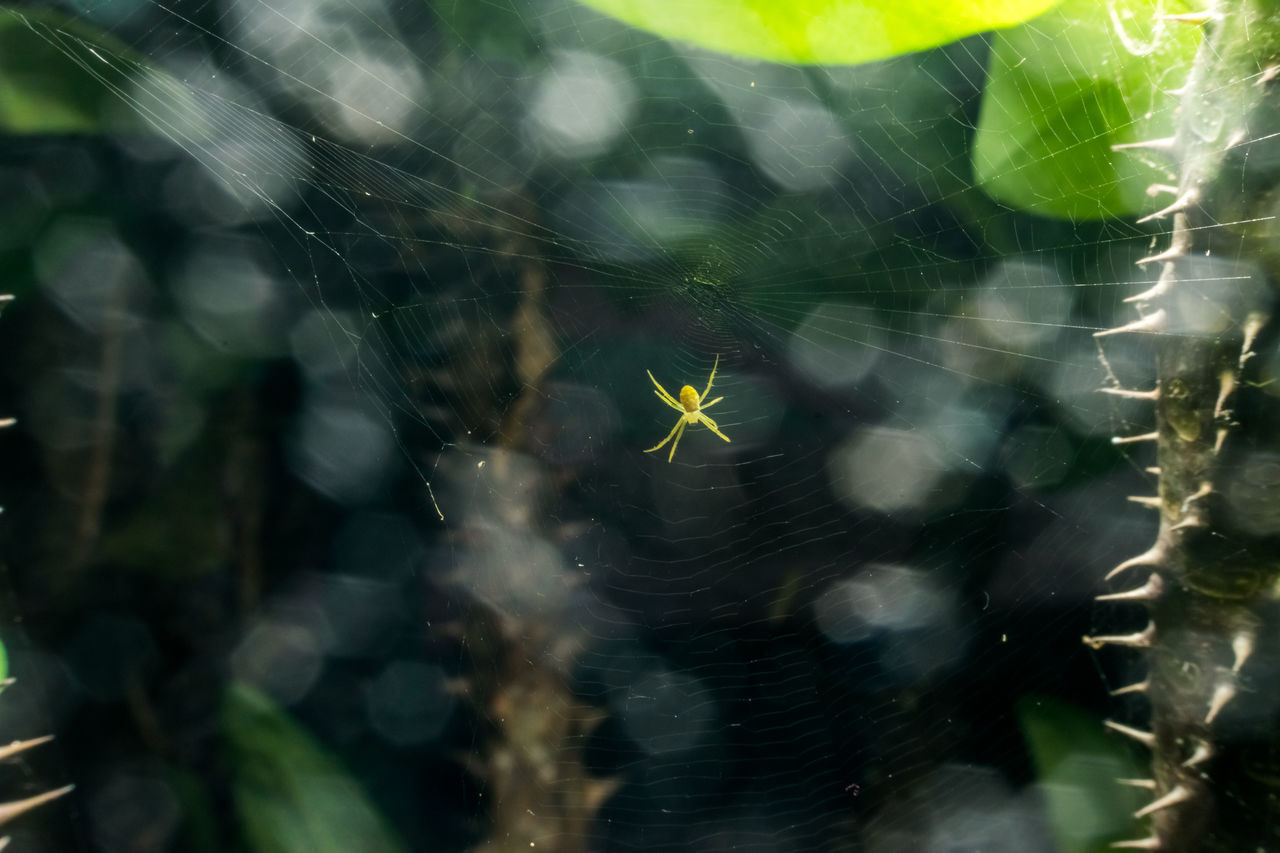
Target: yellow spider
[{"x": 690, "y": 407}]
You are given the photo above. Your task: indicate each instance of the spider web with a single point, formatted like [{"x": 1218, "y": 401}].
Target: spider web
[{"x": 471, "y": 229}]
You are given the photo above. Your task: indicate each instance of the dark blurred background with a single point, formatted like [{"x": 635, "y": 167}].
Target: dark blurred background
[{"x": 327, "y": 522}]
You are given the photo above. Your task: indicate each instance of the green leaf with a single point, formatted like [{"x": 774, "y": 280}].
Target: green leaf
[
  {"x": 51, "y": 81},
  {"x": 820, "y": 31},
  {"x": 198, "y": 832},
  {"x": 1063, "y": 90},
  {"x": 292, "y": 795},
  {"x": 1077, "y": 765}
]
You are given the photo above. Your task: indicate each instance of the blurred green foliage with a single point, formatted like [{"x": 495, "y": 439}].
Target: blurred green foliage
[
  {"x": 1077, "y": 767},
  {"x": 43, "y": 89},
  {"x": 292, "y": 795},
  {"x": 820, "y": 31},
  {"x": 1063, "y": 89}
]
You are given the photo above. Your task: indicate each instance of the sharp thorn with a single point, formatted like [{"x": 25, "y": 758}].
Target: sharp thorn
[
  {"x": 1202, "y": 753},
  {"x": 1221, "y": 437},
  {"x": 1164, "y": 144},
  {"x": 1148, "y": 784},
  {"x": 1153, "y": 394},
  {"x": 1151, "y": 843},
  {"x": 1201, "y": 493},
  {"x": 1150, "y": 323},
  {"x": 1149, "y": 591},
  {"x": 1179, "y": 204},
  {"x": 1179, "y": 794},
  {"x": 1222, "y": 694},
  {"x": 1160, "y": 288},
  {"x": 1140, "y": 687},
  {"x": 1252, "y": 325},
  {"x": 22, "y": 745},
  {"x": 1170, "y": 254},
  {"x": 1226, "y": 385},
  {"x": 1153, "y": 503},
  {"x": 1138, "y": 640},
  {"x": 1154, "y": 469},
  {"x": 1134, "y": 439},
  {"x": 1192, "y": 520},
  {"x": 13, "y": 808},
  {"x": 1144, "y": 738},
  {"x": 1155, "y": 190},
  {"x": 1179, "y": 245},
  {"x": 1242, "y": 648},
  {"x": 1158, "y": 258}
]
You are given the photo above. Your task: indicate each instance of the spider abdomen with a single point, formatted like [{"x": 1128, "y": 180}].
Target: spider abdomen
[{"x": 689, "y": 399}]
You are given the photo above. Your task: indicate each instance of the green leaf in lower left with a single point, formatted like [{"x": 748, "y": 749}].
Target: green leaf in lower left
[{"x": 293, "y": 795}]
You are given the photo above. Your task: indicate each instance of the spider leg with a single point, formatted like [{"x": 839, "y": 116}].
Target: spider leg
[
  {"x": 712, "y": 425},
  {"x": 679, "y": 424},
  {"x": 710, "y": 379},
  {"x": 709, "y": 405},
  {"x": 675, "y": 406},
  {"x": 676, "y": 443},
  {"x": 664, "y": 393}
]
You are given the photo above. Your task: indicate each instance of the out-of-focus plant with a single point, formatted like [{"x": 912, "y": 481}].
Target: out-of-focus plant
[
  {"x": 11, "y": 809},
  {"x": 820, "y": 31},
  {"x": 291, "y": 794}
]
